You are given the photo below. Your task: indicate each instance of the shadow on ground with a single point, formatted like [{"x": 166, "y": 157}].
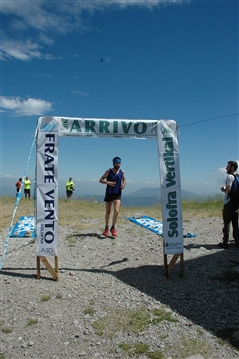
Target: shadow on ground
[{"x": 207, "y": 294}]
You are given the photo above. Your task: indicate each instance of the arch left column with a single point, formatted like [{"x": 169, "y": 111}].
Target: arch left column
[{"x": 47, "y": 195}]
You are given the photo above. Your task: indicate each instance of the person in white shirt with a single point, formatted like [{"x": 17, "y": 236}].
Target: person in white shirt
[{"x": 230, "y": 208}]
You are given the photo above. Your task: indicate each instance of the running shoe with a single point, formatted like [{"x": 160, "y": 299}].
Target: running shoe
[
  {"x": 106, "y": 232},
  {"x": 113, "y": 232}
]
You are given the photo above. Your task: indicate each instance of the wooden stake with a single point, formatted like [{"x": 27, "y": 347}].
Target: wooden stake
[
  {"x": 169, "y": 267},
  {"x": 53, "y": 272}
]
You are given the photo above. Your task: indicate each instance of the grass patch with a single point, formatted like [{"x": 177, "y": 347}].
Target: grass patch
[
  {"x": 7, "y": 330},
  {"x": 157, "y": 354},
  {"x": 2, "y": 356},
  {"x": 140, "y": 348},
  {"x": 134, "y": 321},
  {"x": 25, "y": 208},
  {"x": 185, "y": 347},
  {"x": 211, "y": 207},
  {"x": 192, "y": 346},
  {"x": 31, "y": 321},
  {"x": 71, "y": 240},
  {"x": 199, "y": 332},
  {"x": 161, "y": 314},
  {"x": 125, "y": 347},
  {"x": 89, "y": 311},
  {"x": 45, "y": 297},
  {"x": 77, "y": 213},
  {"x": 135, "y": 349},
  {"x": 120, "y": 320}
]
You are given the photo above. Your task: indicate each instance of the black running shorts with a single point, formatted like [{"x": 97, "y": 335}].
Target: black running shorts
[{"x": 111, "y": 197}]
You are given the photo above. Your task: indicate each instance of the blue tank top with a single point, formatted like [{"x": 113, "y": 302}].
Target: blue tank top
[{"x": 114, "y": 177}]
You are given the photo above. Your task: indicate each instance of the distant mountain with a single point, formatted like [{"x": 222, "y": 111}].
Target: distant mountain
[
  {"x": 156, "y": 191},
  {"x": 146, "y": 192},
  {"x": 146, "y": 196},
  {"x": 127, "y": 201},
  {"x": 92, "y": 198}
]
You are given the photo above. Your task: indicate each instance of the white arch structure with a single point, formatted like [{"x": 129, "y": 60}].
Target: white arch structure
[{"x": 49, "y": 131}]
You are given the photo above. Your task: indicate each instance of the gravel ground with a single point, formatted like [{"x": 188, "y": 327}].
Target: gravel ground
[{"x": 113, "y": 301}]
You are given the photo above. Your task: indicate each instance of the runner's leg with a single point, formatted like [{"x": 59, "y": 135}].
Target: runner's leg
[
  {"x": 107, "y": 212},
  {"x": 117, "y": 203}
]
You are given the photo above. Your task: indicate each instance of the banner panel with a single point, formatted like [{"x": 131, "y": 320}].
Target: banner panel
[
  {"x": 98, "y": 127},
  {"x": 47, "y": 194},
  {"x": 47, "y": 172},
  {"x": 170, "y": 187}
]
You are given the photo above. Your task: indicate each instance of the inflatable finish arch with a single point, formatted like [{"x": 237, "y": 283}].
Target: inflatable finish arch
[{"x": 49, "y": 131}]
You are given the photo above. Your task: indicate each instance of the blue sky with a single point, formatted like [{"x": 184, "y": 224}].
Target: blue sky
[{"x": 121, "y": 59}]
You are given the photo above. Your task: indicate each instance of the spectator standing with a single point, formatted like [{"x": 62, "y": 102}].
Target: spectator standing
[
  {"x": 18, "y": 185},
  {"x": 27, "y": 188},
  {"x": 70, "y": 187},
  {"x": 230, "y": 208}
]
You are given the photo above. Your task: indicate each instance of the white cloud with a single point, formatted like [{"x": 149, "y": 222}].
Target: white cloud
[
  {"x": 42, "y": 21},
  {"x": 221, "y": 171},
  {"x": 8, "y": 176},
  {"x": 28, "y": 107},
  {"x": 19, "y": 50},
  {"x": 38, "y": 15},
  {"x": 22, "y": 50},
  {"x": 46, "y": 75},
  {"x": 80, "y": 93},
  {"x": 220, "y": 174}
]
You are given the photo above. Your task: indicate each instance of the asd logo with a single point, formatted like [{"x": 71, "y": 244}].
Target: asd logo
[{"x": 47, "y": 250}]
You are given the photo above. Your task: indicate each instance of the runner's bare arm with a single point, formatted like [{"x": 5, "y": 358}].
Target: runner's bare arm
[
  {"x": 103, "y": 179},
  {"x": 123, "y": 180}
]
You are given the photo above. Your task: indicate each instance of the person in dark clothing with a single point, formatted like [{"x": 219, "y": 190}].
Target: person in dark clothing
[
  {"x": 230, "y": 208},
  {"x": 18, "y": 185},
  {"x": 115, "y": 181}
]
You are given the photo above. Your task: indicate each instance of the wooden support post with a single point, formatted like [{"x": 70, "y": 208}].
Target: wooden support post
[
  {"x": 181, "y": 265},
  {"x": 38, "y": 268},
  {"x": 169, "y": 267},
  {"x": 165, "y": 265},
  {"x": 53, "y": 272}
]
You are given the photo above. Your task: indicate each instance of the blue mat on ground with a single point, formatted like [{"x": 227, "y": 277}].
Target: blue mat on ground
[
  {"x": 149, "y": 223},
  {"x": 24, "y": 227},
  {"x": 153, "y": 225}
]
